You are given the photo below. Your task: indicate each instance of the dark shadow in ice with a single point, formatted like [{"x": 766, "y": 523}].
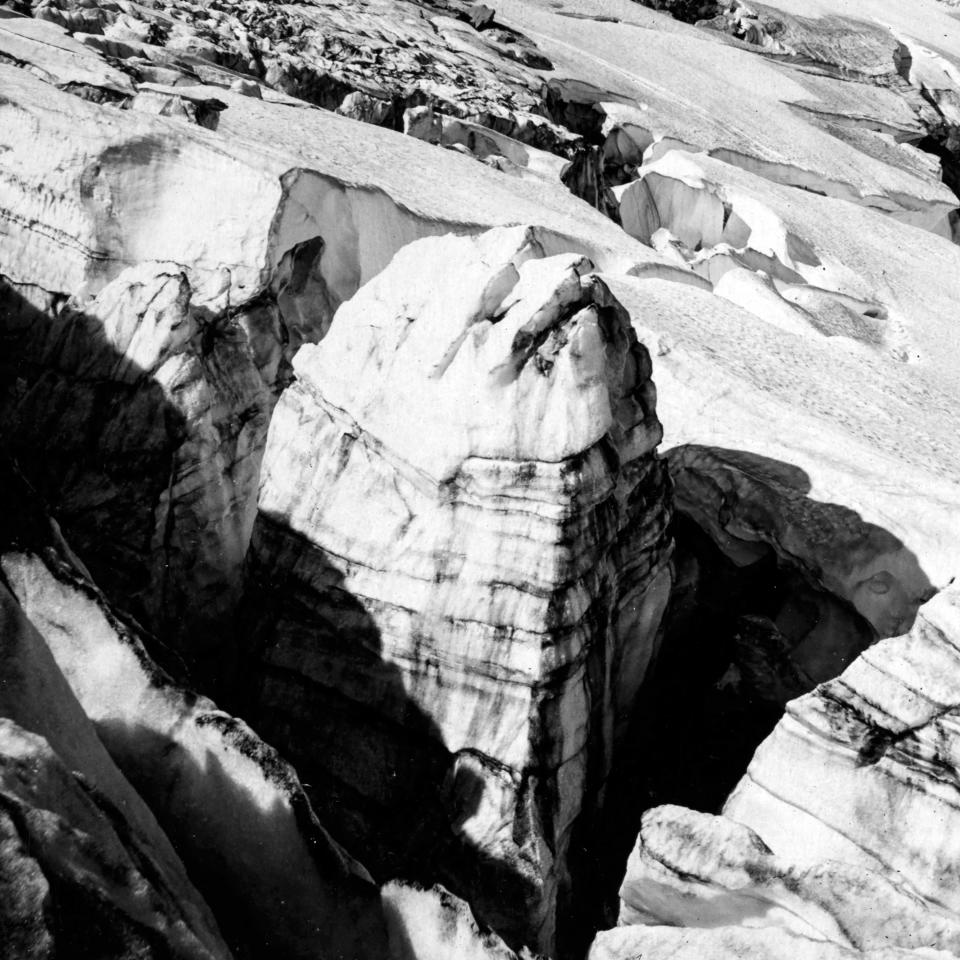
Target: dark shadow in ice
[
  {"x": 233, "y": 809},
  {"x": 244, "y": 840},
  {"x": 89, "y": 439},
  {"x": 742, "y": 638},
  {"x": 93, "y": 434},
  {"x": 372, "y": 760}
]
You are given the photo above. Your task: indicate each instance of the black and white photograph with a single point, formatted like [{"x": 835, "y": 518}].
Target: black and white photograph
[{"x": 480, "y": 480}]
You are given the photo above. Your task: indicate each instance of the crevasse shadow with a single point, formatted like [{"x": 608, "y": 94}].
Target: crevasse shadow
[
  {"x": 158, "y": 507},
  {"x": 232, "y": 808},
  {"x": 751, "y": 625},
  {"x": 97, "y": 448},
  {"x": 94, "y": 439},
  {"x": 240, "y": 848},
  {"x": 748, "y": 502},
  {"x": 372, "y": 760}
]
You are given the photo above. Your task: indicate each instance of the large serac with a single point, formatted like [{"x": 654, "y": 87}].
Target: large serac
[{"x": 459, "y": 567}]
